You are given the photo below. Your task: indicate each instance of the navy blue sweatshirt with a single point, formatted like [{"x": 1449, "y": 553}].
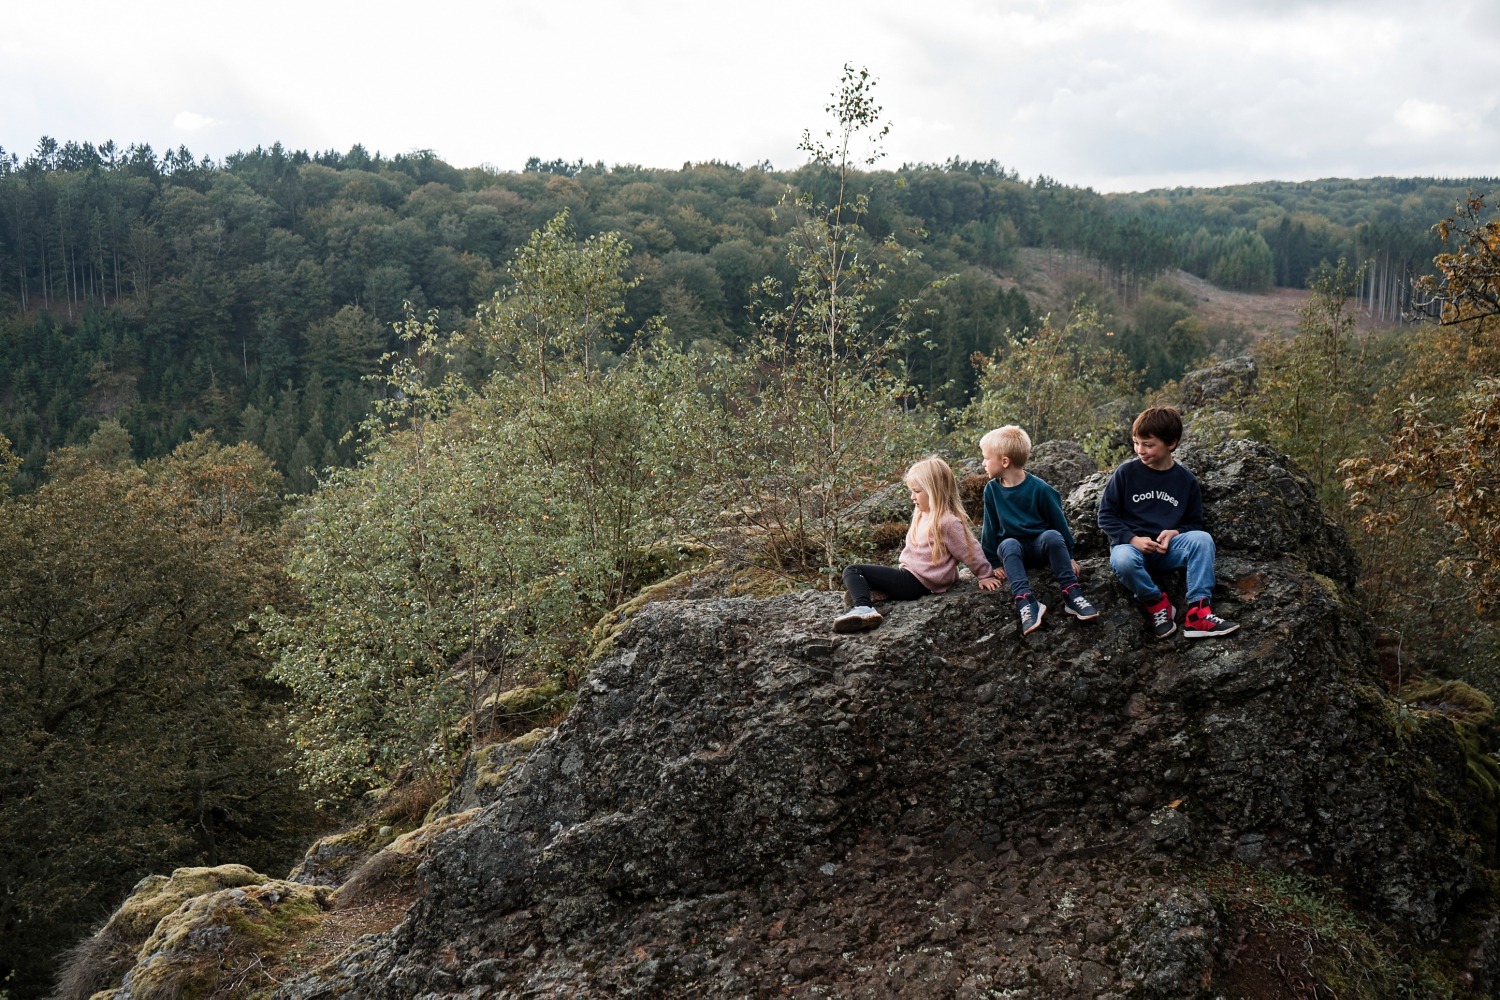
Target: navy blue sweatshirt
[{"x": 1141, "y": 501}]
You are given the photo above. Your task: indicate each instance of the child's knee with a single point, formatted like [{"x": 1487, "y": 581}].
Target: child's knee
[
  {"x": 1198, "y": 543},
  {"x": 1124, "y": 559},
  {"x": 1010, "y": 547}
]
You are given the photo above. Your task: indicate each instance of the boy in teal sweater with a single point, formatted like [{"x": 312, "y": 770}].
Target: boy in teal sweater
[{"x": 1024, "y": 526}]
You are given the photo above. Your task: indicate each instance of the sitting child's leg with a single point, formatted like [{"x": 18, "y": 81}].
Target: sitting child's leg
[
  {"x": 1195, "y": 551},
  {"x": 1129, "y": 564},
  {"x": 1052, "y": 548},
  {"x": 859, "y": 578},
  {"x": 1013, "y": 560}
]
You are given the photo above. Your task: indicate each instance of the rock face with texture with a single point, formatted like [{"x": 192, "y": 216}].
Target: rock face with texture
[
  {"x": 743, "y": 803},
  {"x": 1220, "y": 386},
  {"x": 1063, "y": 464}
]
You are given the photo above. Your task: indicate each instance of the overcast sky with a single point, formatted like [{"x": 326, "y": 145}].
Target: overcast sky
[{"x": 1119, "y": 95}]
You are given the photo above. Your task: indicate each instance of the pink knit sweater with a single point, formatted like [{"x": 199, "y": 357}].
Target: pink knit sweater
[{"x": 937, "y": 575}]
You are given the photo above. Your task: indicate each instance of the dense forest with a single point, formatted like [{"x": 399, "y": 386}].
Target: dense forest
[
  {"x": 305, "y": 457},
  {"x": 253, "y": 296}
]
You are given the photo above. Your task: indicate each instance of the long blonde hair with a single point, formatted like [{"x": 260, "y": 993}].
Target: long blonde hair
[{"x": 937, "y": 480}]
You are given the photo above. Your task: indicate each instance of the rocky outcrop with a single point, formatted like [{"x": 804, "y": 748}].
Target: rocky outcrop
[
  {"x": 179, "y": 935},
  {"x": 742, "y": 803},
  {"x": 1064, "y": 465},
  {"x": 221, "y": 936},
  {"x": 1222, "y": 386}
]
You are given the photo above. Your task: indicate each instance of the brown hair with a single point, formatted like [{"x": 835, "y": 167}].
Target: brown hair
[{"x": 1161, "y": 422}]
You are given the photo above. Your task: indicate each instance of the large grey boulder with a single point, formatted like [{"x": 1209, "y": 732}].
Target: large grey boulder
[
  {"x": 1063, "y": 464},
  {"x": 743, "y": 803},
  {"x": 1222, "y": 386}
]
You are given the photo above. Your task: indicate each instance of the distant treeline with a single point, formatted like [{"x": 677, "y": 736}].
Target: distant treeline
[{"x": 251, "y": 296}]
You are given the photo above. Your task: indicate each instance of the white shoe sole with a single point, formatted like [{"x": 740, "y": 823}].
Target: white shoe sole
[
  {"x": 860, "y": 624},
  {"x": 1191, "y": 634}
]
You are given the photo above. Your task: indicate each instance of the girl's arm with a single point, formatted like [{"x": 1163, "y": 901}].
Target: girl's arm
[{"x": 964, "y": 547}]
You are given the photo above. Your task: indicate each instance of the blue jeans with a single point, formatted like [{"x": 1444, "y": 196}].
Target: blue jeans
[
  {"x": 1048, "y": 547},
  {"x": 1191, "y": 549}
]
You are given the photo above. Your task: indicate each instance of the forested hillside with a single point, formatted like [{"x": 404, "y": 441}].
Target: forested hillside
[
  {"x": 510, "y": 408},
  {"x": 252, "y": 296}
]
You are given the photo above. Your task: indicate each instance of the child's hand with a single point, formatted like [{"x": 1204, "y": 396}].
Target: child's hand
[
  {"x": 1077, "y": 569},
  {"x": 990, "y": 583},
  {"x": 1147, "y": 544}
]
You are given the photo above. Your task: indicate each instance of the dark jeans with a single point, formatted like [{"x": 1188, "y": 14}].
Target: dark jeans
[
  {"x": 1048, "y": 547},
  {"x": 898, "y": 584}
]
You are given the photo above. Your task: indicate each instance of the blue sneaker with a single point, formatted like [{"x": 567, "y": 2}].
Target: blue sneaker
[
  {"x": 1075, "y": 604},
  {"x": 1031, "y": 611}
]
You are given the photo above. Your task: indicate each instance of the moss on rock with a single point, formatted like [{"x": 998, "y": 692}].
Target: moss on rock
[
  {"x": 522, "y": 702},
  {"x": 607, "y": 627},
  {"x": 212, "y": 938},
  {"x": 503, "y": 759},
  {"x": 156, "y": 896},
  {"x": 398, "y": 861},
  {"x": 486, "y": 770},
  {"x": 331, "y": 860}
]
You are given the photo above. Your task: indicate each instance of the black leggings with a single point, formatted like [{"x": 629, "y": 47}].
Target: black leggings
[{"x": 898, "y": 584}]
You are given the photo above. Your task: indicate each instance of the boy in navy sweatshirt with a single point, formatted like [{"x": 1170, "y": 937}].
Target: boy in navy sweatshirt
[{"x": 1152, "y": 513}]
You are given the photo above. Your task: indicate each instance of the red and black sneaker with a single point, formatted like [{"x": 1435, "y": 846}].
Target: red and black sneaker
[
  {"x": 1200, "y": 622},
  {"x": 1162, "y": 617}
]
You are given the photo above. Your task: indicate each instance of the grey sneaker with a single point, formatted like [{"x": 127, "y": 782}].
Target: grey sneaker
[
  {"x": 1079, "y": 607},
  {"x": 1031, "y": 611},
  {"x": 858, "y": 619}
]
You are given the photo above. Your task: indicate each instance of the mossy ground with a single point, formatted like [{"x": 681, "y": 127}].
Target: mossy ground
[{"x": 1295, "y": 937}]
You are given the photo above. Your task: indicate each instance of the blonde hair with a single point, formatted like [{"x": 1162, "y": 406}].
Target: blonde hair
[
  {"x": 1010, "y": 442},
  {"x": 936, "y": 479}
]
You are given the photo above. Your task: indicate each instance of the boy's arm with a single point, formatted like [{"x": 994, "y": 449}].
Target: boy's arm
[
  {"x": 1110, "y": 521},
  {"x": 1192, "y": 509},
  {"x": 1052, "y": 512},
  {"x": 989, "y": 530}
]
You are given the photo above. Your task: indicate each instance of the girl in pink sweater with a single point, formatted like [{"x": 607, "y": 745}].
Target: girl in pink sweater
[{"x": 938, "y": 539}]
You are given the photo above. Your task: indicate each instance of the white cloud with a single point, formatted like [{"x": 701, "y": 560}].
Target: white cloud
[
  {"x": 1426, "y": 120},
  {"x": 1110, "y": 93},
  {"x": 191, "y": 121}
]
